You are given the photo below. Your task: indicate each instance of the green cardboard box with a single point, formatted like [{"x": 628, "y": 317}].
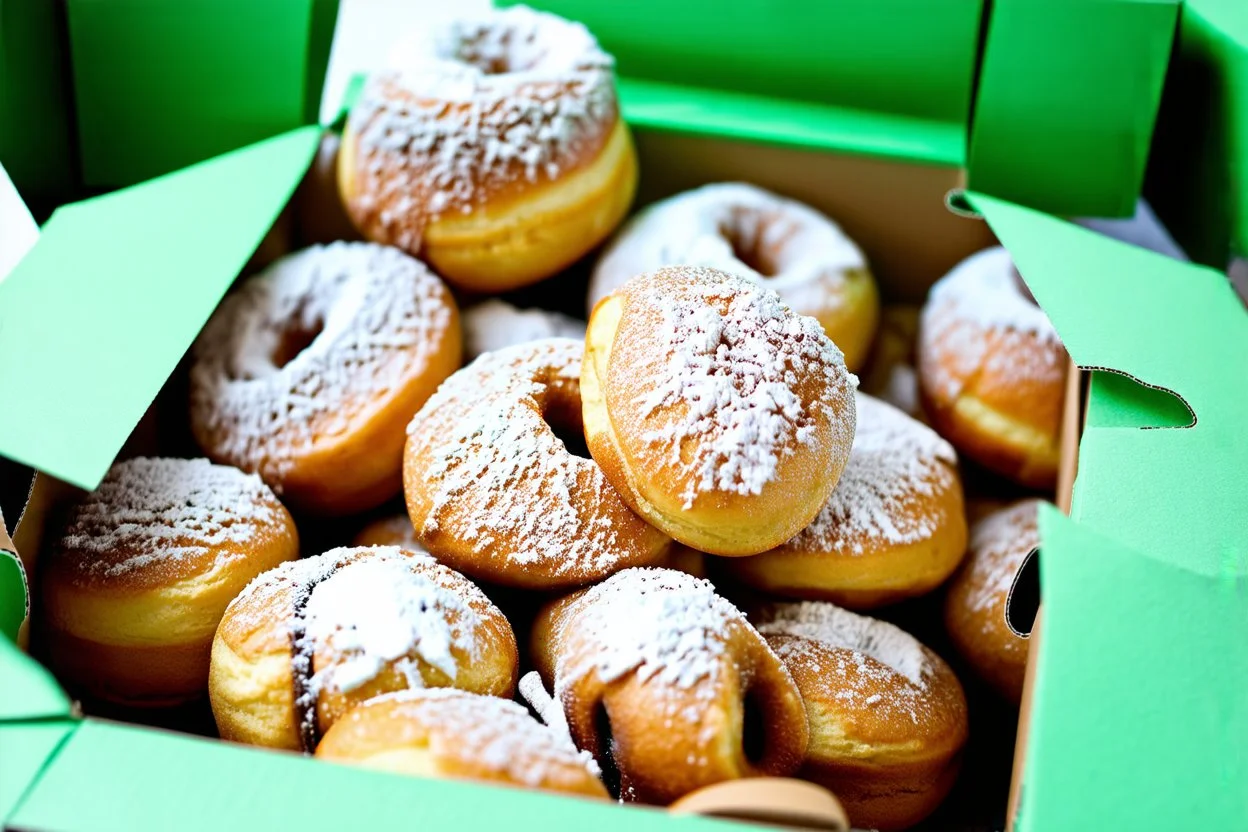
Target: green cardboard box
[
  {"x": 1199, "y": 169},
  {"x": 1153, "y": 572}
]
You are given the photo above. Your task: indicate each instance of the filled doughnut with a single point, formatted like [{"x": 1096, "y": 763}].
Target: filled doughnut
[
  {"x": 894, "y": 528},
  {"x": 992, "y": 369},
  {"x": 494, "y": 324},
  {"x": 494, "y": 491},
  {"x": 668, "y": 685},
  {"x": 975, "y": 608},
  {"x": 741, "y": 228},
  {"x": 395, "y": 530},
  {"x": 133, "y": 590},
  {"x": 305, "y": 642},
  {"x": 719, "y": 415},
  {"x": 454, "y": 734},
  {"x": 492, "y": 148},
  {"x": 309, "y": 373},
  {"x": 888, "y": 718}
]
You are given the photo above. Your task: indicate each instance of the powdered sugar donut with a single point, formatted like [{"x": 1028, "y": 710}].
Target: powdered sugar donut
[
  {"x": 309, "y": 373},
  {"x": 494, "y": 492},
  {"x": 492, "y": 148},
  {"x": 718, "y": 414},
  {"x": 894, "y": 528},
  {"x": 668, "y": 685},
  {"x": 494, "y": 324},
  {"x": 976, "y": 604},
  {"x": 992, "y": 369},
  {"x": 888, "y": 718},
  {"x": 463, "y": 736},
  {"x": 305, "y": 642},
  {"x": 133, "y": 591},
  {"x": 740, "y": 228}
]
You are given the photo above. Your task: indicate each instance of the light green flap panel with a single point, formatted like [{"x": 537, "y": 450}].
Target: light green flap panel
[
  {"x": 100, "y": 311},
  {"x": 29, "y": 692}
]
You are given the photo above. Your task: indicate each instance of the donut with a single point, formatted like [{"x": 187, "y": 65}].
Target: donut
[
  {"x": 894, "y": 528},
  {"x": 133, "y": 590},
  {"x": 888, "y": 718},
  {"x": 992, "y": 370},
  {"x": 492, "y": 148},
  {"x": 309, "y": 373},
  {"x": 740, "y": 228},
  {"x": 454, "y": 734},
  {"x": 395, "y": 530},
  {"x": 720, "y": 415},
  {"x": 668, "y": 685},
  {"x": 494, "y": 324},
  {"x": 494, "y": 491},
  {"x": 305, "y": 642},
  {"x": 975, "y": 605}
]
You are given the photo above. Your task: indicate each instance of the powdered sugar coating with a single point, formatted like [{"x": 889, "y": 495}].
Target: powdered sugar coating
[
  {"x": 724, "y": 407},
  {"x": 833, "y": 626},
  {"x": 661, "y": 625},
  {"x": 999, "y": 544},
  {"x": 894, "y": 462},
  {"x": 378, "y": 317},
  {"x": 508, "y": 98},
  {"x": 493, "y": 490},
  {"x": 807, "y": 254},
  {"x": 494, "y": 325},
  {"x": 982, "y": 295},
  {"x": 158, "y": 516}
]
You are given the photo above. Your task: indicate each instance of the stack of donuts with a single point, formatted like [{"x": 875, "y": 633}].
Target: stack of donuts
[{"x": 662, "y": 524}]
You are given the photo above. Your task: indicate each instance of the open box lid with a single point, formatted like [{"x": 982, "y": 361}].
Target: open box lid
[
  {"x": 1199, "y": 169},
  {"x": 1138, "y": 711}
]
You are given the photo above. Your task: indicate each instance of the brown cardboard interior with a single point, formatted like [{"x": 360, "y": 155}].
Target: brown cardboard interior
[{"x": 897, "y": 211}]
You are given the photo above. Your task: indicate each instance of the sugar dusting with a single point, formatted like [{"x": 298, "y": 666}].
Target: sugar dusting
[
  {"x": 735, "y": 354},
  {"x": 707, "y": 226},
  {"x": 495, "y": 733},
  {"x": 150, "y": 511},
  {"x": 981, "y": 295},
  {"x": 999, "y": 542},
  {"x": 832, "y": 626},
  {"x": 377, "y": 315},
  {"x": 494, "y": 325},
  {"x": 495, "y": 459},
  {"x": 895, "y": 462},
  {"x": 467, "y": 108}
]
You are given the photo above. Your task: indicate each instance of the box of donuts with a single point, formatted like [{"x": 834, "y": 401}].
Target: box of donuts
[{"x": 527, "y": 448}]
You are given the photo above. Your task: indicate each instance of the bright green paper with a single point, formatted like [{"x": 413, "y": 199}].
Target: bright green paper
[
  {"x": 29, "y": 692},
  {"x": 1068, "y": 94},
  {"x": 97, "y": 315},
  {"x": 25, "y": 750},
  {"x": 115, "y": 778},
  {"x": 13, "y": 594},
  {"x": 160, "y": 85},
  {"x": 890, "y": 78}
]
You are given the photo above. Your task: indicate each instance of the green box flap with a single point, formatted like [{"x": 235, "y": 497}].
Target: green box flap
[
  {"x": 25, "y": 750},
  {"x": 35, "y": 136},
  {"x": 29, "y": 692},
  {"x": 18, "y": 231},
  {"x": 1198, "y": 175},
  {"x": 889, "y": 78},
  {"x": 97, "y": 315},
  {"x": 115, "y": 778},
  {"x": 1067, "y": 97},
  {"x": 1138, "y": 716},
  {"x": 160, "y": 85}
]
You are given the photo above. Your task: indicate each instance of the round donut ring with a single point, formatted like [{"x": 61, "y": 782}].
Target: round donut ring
[{"x": 494, "y": 492}]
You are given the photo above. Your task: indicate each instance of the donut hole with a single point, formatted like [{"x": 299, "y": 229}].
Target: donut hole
[
  {"x": 294, "y": 340},
  {"x": 564, "y": 421},
  {"x": 745, "y": 234},
  {"x": 605, "y": 751},
  {"x": 497, "y": 50},
  {"x": 753, "y": 728}
]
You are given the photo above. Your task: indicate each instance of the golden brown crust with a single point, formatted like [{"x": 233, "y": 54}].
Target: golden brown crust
[
  {"x": 975, "y": 608},
  {"x": 668, "y": 685},
  {"x": 992, "y": 370},
  {"x": 894, "y": 527},
  {"x": 494, "y": 492},
  {"x": 460, "y": 735},
  {"x": 888, "y": 718},
  {"x": 718, "y": 415},
  {"x": 389, "y": 531},
  {"x": 330, "y": 632}
]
